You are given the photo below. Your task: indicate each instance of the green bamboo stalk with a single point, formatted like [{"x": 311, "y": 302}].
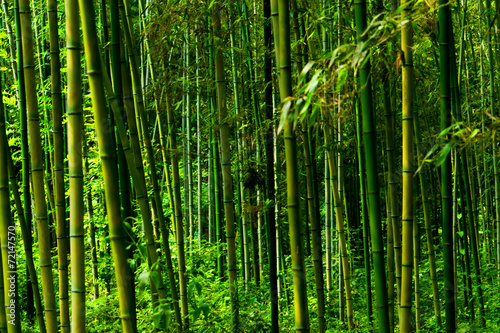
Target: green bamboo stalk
[
  {"x": 7, "y": 236},
  {"x": 75, "y": 162},
  {"x": 390, "y": 261},
  {"x": 296, "y": 244},
  {"x": 226, "y": 170},
  {"x": 444, "y": 66},
  {"x": 116, "y": 228},
  {"x": 416, "y": 260},
  {"x": 328, "y": 230},
  {"x": 158, "y": 208},
  {"x": 494, "y": 155},
  {"x": 90, "y": 214},
  {"x": 270, "y": 186},
  {"x": 345, "y": 277},
  {"x": 12, "y": 45},
  {"x": 23, "y": 124},
  {"x": 466, "y": 189},
  {"x": 366, "y": 227},
  {"x": 240, "y": 143},
  {"x": 37, "y": 170},
  {"x": 3, "y": 318},
  {"x": 369, "y": 139},
  {"x": 25, "y": 232},
  {"x": 408, "y": 170},
  {"x": 178, "y": 210},
  {"x": 58, "y": 171},
  {"x": 427, "y": 223}
]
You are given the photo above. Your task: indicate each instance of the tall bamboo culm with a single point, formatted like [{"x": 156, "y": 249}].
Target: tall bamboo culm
[
  {"x": 75, "y": 163},
  {"x": 293, "y": 196},
  {"x": 369, "y": 139},
  {"x": 226, "y": 169},
  {"x": 31, "y": 297},
  {"x": 7, "y": 235},
  {"x": 37, "y": 169},
  {"x": 107, "y": 156},
  {"x": 446, "y": 195},
  {"x": 58, "y": 166},
  {"x": 408, "y": 171}
]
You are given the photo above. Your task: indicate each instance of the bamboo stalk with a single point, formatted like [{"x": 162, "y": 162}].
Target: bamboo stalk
[{"x": 37, "y": 170}]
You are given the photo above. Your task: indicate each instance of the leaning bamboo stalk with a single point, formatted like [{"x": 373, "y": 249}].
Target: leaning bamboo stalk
[
  {"x": 136, "y": 87},
  {"x": 37, "y": 170},
  {"x": 116, "y": 227},
  {"x": 339, "y": 215}
]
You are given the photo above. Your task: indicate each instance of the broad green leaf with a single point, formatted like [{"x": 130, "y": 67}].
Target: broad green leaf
[
  {"x": 444, "y": 153},
  {"x": 155, "y": 277},
  {"x": 143, "y": 279}
]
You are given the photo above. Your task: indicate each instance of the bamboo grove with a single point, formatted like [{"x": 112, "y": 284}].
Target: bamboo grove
[{"x": 239, "y": 166}]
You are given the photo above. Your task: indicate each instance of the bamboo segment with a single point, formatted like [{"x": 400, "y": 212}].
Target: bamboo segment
[{"x": 37, "y": 169}]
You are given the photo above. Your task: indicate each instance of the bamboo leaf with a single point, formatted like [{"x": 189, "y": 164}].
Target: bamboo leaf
[{"x": 444, "y": 153}]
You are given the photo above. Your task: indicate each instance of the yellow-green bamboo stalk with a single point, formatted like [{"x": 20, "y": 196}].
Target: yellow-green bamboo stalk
[
  {"x": 226, "y": 170},
  {"x": 408, "y": 171},
  {"x": 158, "y": 208},
  {"x": 293, "y": 200},
  {"x": 37, "y": 170},
  {"x": 11, "y": 313},
  {"x": 339, "y": 216},
  {"x": 27, "y": 249},
  {"x": 75, "y": 163},
  {"x": 116, "y": 228},
  {"x": 58, "y": 166}
]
